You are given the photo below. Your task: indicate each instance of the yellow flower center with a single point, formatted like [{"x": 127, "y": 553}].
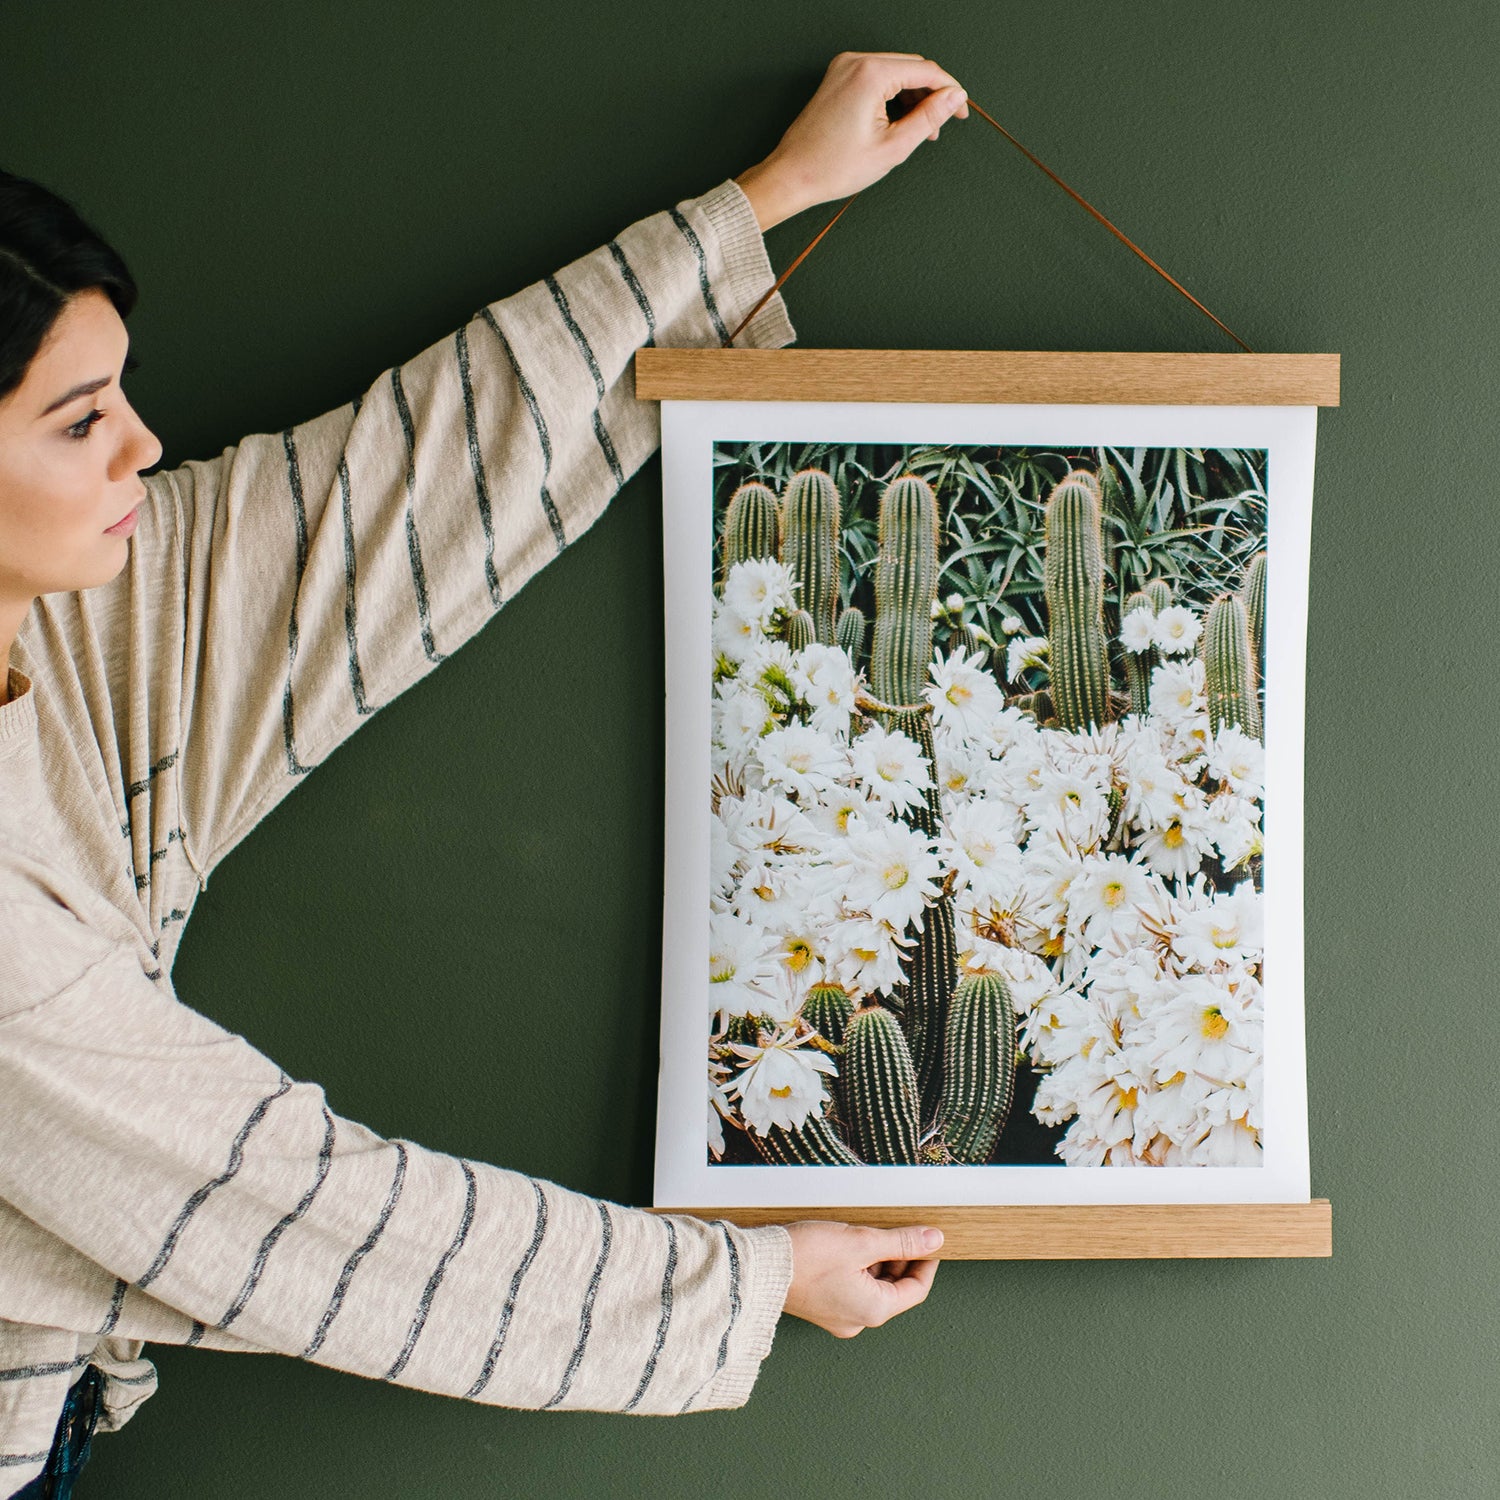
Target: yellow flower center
[
  {"x": 895, "y": 877},
  {"x": 1114, "y": 893},
  {"x": 958, "y": 694},
  {"x": 784, "y": 1092},
  {"x": 1127, "y": 1098},
  {"x": 720, "y": 968},
  {"x": 1215, "y": 1023},
  {"x": 1225, "y": 937},
  {"x": 1172, "y": 836},
  {"x": 797, "y": 955}
]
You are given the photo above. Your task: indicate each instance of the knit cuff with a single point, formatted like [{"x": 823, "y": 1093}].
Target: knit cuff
[
  {"x": 745, "y": 273},
  {"x": 765, "y": 1277}
]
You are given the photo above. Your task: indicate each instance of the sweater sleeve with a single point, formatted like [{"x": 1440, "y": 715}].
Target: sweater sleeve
[
  {"x": 331, "y": 566},
  {"x": 173, "y": 1154}
]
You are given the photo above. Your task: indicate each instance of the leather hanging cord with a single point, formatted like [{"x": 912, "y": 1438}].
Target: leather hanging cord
[{"x": 1077, "y": 198}]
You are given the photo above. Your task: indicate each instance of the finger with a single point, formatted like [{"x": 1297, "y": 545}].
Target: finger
[
  {"x": 907, "y": 1292},
  {"x": 924, "y": 121},
  {"x": 895, "y": 74},
  {"x": 910, "y": 1242}
]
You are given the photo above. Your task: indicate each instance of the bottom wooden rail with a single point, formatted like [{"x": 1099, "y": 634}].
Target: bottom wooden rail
[{"x": 1095, "y": 1232}]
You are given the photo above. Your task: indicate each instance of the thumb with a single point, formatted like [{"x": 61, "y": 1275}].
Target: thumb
[
  {"x": 924, "y": 120},
  {"x": 911, "y": 1242}
]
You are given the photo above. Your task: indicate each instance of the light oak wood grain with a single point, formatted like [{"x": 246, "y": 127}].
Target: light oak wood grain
[
  {"x": 967, "y": 375},
  {"x": 1103, "y": 1232}
]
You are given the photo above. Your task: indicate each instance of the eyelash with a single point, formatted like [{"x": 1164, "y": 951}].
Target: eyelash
[{"x": 81, "y": 429}]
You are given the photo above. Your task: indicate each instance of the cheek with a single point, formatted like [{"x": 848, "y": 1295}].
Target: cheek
[{"x": 52, "y": 524}]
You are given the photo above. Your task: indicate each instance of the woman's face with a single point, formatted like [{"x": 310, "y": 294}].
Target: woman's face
[{"x": 71, "y": 454}]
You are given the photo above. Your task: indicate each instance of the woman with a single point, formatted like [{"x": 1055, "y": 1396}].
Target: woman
[{"x": 160, "y": 1179}]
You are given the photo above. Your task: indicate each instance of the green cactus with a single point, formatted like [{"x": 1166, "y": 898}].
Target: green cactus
[
  {"x": 814, "y": 1143},
  {"x": 798, "y": 630},
  {"x": 1253, "y": 592},
  {"x": 880, "y": 1089},
  {"x": 743, "y": 1029},
  {"x": 852, "y": 634},
  {"x": 1138, "y": 664},
  {"x": 1229, "y": 667},
  {"x": 827, "y": 1009},
  {"x": 1078, "y": 663},
  {"x": 751, "y": 528},
  {"x": 979, "y": 1072},
  {"x": 906, "y": 570},
  {"x": 931, "y": 970},
  {"x": 1159, "y": 592},
  {"x": 810, "y": 546}
]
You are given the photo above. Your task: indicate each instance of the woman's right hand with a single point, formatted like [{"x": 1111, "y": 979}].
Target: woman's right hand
[
  {"x": 843, "y": 140},
  {"x": 847, "y": 1277}
]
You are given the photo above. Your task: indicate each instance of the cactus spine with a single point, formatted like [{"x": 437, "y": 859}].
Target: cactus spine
[
  {"x": 979, "y": 1074},
  {"x": 1229, "y": 667},
  {"x": 751, "y": 528},
  {"x": 814, "y": 1143},
  {"x": 1074, "y": 584},
  {"x": 810, "y": 546},
  {"x": 906, "y": 569},
  {"x": 852, "y": 634},
  {"x": 880, "y": 1089},
  {"x": 799, "y": 629}
]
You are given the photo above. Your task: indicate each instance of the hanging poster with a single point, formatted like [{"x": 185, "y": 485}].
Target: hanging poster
[{"x": 984, "y": 824}]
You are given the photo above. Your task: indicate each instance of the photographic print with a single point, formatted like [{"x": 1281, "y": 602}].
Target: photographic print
[{"x": 984, "y": 781}]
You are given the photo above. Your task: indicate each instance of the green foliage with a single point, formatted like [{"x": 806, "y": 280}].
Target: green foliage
[
  {"x": 880, "y": 1089},
  {"x": 979, "y": 1073},
  {"x": 810, "y": 546},
  {"x": 1191, "y": 516},
  {"x": 750, "y": 525},
  {"x": 1229, "y": 667},
  {"x": 1078, "y": 661}
]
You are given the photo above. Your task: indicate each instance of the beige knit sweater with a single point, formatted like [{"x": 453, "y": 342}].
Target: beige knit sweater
[{"x": 160, "y": 1178}]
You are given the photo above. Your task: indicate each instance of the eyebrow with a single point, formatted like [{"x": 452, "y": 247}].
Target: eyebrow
[{"x": 86, "y": 389}]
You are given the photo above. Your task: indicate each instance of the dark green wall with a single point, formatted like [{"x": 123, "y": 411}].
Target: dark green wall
[{"x": 454, "y": 925}]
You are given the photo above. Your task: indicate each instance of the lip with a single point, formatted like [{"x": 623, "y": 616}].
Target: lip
[{"x": 125, "y": 525}]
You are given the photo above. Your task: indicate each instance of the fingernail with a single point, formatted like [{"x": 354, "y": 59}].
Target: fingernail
[{"x": 931, "y": 1238}]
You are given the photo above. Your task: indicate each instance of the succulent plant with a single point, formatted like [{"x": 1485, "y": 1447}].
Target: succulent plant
[
  {"x": 751, "y": 528},
  {"x": 810, "y": 546},
  {"x": 1078, "y": 660},
  {"x": 880, "y": 1088},
  {"x": 979, "y": 1066},
  {"x": 1229, "y": 667}
]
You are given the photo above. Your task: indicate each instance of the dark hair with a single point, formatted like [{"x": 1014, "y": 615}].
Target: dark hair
[{"x": 47, "y": 255}]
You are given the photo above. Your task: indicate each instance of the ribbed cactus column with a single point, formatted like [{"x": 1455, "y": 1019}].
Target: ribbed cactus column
[
  {"x": 1253, "y": 593},
  {"x": 852, "y": 634},
  {"x": 1159, "y": 592},
  {"x": 906, "y": 570},
  {"x": 931, "y": 971},
  {"x": 799, "y": 629},
  {"x": 810, "y": 546},
  {"x": 1073, "y": 577},
  {"x": 827, "y": 1009},
  {"x": 751, "y": 528},
  {"x": 814, "y": 1143},
  {"x": 1229, "y": 667},
  {"x": 979, "y": 1069},
  {"x": 880, "y": 1089}
]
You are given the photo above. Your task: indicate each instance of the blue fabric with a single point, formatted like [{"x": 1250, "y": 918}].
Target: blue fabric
[{"x": 70, "y": 1444}]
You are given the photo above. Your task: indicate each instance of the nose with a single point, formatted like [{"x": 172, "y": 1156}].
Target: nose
[{"x": 140, "y": 448}]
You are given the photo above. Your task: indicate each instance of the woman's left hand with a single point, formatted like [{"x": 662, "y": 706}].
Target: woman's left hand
[{"x": 844, "y": 140}]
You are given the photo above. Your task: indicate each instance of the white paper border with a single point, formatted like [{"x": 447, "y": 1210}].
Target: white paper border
[{"x": 684, "y": 1176}]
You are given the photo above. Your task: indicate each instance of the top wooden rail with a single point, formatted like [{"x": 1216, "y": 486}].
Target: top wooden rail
[{"x": 985, "y": 375}]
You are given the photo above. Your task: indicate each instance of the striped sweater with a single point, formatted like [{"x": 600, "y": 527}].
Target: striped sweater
[{"x": 160, "y": 1178}]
